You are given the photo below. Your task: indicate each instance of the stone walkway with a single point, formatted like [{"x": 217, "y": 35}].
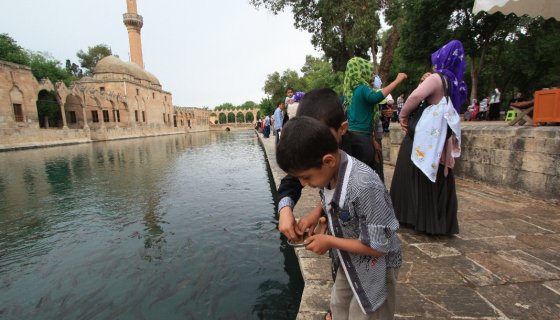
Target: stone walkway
[{"x": 504, "y": 264}]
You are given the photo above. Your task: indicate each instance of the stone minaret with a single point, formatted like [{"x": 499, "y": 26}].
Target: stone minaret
[{"x": 133, "y": 22}]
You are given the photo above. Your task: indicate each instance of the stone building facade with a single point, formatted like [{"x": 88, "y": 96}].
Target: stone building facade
[{"x": 119, "y": 100}]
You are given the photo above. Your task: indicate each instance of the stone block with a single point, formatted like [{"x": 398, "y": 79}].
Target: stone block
[
  {"x": 315, "y": 269},
  {"x": 540, "y": 163},
  {"x": 516, "y": 266},
  {"x": 523, "y": 301},
  {"x": 315, "y": 297}
]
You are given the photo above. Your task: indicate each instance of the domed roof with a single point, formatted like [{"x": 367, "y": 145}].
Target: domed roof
[{"x": 112, "y": 64}]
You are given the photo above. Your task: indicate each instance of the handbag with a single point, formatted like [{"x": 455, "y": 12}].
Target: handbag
[{"x": 417, "y": 114}]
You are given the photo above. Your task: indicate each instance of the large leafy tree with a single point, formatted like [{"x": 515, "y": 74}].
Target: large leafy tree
[
  {"x": 10, "y": 51},
  {"x": 506, "y": 52},
  {"x": 342, "y": 29},
  {"x": 318, "y": 73},
  {"x": 88, "y": 60},
  {"x": 44, "y": 66},
  {"x": 276, "y": 85}
]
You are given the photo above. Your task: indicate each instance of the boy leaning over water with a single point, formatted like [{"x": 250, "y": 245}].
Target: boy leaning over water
[{"x": 366, "y": 253}]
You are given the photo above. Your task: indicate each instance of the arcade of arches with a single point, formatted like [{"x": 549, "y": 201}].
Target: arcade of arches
[{"x": 235, "y": 116}]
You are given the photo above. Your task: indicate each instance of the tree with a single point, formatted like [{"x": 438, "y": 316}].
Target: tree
[
  {"x": 276, "y": 85},
  {"x": 74, "y": 69},
  {"x": 88, "y": 60},
  {"x": 248, "y": 105},
  {"x": 10, "y": 51},
  {"x": 266, "y": 107},
  {"x": 44, "y": 66},
  {"x": 224, "y": 106},
  {"x": 342, "y": 29},
  {"x": 318, "y": 73}
]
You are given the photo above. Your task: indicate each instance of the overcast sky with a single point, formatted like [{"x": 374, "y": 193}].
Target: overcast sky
[{"x": 204, "y": 52}]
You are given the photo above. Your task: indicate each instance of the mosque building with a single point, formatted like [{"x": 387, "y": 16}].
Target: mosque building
[{"x": 119, "y": 100}]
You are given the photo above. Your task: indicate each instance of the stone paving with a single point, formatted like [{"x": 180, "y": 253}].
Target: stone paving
[{"x": 504, "y": 263}]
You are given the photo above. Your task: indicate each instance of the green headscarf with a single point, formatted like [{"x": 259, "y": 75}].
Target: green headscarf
[{"x": 358, "y": 71}]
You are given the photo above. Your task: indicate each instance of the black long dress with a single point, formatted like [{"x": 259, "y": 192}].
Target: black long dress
[{"x": 419, "y": 203}]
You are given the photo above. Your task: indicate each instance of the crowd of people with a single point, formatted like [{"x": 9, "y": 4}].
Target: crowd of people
[{"x": 335, "y": 145}]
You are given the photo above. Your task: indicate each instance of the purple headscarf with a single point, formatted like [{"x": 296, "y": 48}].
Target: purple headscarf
[{"x": 450, "y": 60}]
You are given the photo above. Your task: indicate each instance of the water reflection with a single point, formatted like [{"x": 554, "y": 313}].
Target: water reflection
[{"x": 171, "y": 227}]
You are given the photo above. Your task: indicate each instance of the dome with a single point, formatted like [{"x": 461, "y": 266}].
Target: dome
[{"x": 112, "y": 64}]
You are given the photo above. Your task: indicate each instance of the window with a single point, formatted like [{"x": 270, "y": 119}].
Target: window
[
  {"x": 94, "y": 116},
  {"x": 165, "y": 98},
  {"x": 143, "y": 116},
  {"x": 18, "y": 112},
  {"x": 117, "y": 116},
  {"x": 137, "y": 92},
  {"x": 153, "y": 95},
  {"x": 105, "y": 115},
  {"x": 136, "y": 115},
  {"x": 102, "y": 90},
  {"x": 72, "y": 115},
  {"x": 164, "y": 118}
]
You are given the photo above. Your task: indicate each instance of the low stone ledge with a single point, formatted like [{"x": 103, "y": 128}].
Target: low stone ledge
[{"x": 521, "y": 158}]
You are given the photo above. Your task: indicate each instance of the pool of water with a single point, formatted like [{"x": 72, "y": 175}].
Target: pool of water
[{"x": 174, "y": 227}]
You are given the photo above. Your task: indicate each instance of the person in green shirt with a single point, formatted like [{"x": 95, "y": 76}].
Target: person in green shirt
[{"x": 362, "y": 103}]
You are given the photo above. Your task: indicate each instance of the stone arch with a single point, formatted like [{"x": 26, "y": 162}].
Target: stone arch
[
  {"x": 240, "y": 117},
  {"x": 249, "y": 117},
  {"x": 222, "y": 118},
  {"x": 48, "y": 110},
  {"x": 230, "y": 117}
]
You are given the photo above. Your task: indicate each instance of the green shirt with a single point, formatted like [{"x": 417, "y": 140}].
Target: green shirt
[{"x": 360, "y": 112}]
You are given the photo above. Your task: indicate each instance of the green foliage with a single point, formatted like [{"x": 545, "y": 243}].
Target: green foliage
[
  {"x": 73, "y": 69},
  {"x": 267, "y": 107},
  {"x": 342, "y": 29},
  {"x": 248, "y": 105},
  {"x": 88, "y": 60},
  {"x": 276, "y": 85},
  {"x": 318, "y": 73},
  {"x": 44, "y": 66},
  {"x": 10, "y": 51},
  {"x": 224, "y": 106},
  {"x": 507, "y": 52}
]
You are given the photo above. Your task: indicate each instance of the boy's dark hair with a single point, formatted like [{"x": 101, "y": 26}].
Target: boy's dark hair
[
  {"x": 303, "y": 143},
  {"x": 290, "y": 88},
  {"x": 324, "y": 105}
]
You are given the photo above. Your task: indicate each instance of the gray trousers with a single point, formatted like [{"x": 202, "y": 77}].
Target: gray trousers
[{"x": 345, "y": 306}]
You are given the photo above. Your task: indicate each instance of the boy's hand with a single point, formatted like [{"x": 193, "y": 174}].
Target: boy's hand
[
  {"x": 307, "y": 223},
  {"x": 319, "y": 243}
]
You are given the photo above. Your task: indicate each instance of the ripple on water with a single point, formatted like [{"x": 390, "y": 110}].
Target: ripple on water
[{"x": 169, "y": 227}]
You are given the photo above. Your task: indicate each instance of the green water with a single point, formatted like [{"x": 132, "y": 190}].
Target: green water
[{"x": 174, "y": 227}]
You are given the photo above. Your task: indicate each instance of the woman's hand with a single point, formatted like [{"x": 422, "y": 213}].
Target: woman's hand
[{"x": 404, "y": 124}]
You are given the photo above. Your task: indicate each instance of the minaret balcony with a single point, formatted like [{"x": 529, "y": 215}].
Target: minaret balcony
[{"x": 133, "y": 20}]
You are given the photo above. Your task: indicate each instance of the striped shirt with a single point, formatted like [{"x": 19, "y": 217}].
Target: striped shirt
[{"x": 361, "y": 208}]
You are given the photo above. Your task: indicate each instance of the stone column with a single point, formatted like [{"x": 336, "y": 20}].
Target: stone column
[{"x": 134, "y": 22}]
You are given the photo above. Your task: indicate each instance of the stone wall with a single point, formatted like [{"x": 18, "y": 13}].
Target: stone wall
[
  {"x": 523, "y": 158},
  {"x": 24, "y": 138}
]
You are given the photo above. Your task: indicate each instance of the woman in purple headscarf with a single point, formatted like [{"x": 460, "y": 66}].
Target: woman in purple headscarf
[{"x": 423, "y": 186}]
